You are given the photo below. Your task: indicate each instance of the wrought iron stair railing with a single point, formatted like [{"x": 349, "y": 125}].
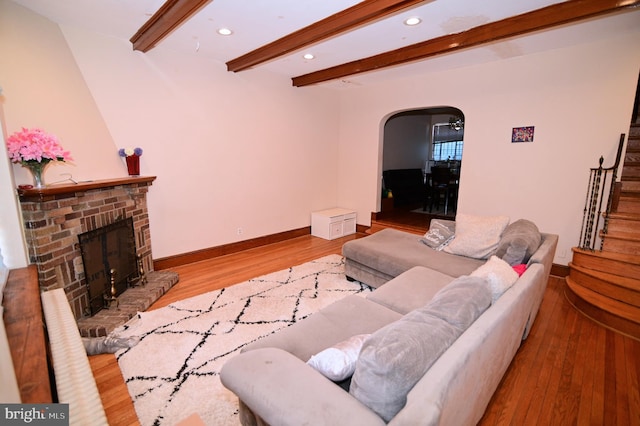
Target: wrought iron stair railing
[{"x": 600, "y": 192}]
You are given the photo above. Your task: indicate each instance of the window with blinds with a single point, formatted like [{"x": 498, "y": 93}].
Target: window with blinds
[{"x": 447, "y": 143}]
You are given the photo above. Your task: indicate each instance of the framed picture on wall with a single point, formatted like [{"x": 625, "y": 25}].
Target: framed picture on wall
[{"x": 522, "y": 134}]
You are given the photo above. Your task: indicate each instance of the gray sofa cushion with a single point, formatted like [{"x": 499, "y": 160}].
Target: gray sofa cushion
[
  {"x": 410, "y": 290},
  {"x": 392, "y": 252},
  {"x": 461, "y": 302},
  {"x": 330, "y": 325},
  {"x": 395, "y": 357},
  {"x": 519, "y": 241}
]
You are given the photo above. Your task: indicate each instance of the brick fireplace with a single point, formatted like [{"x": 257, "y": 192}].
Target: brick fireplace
[{"x": 53, "y": 218}]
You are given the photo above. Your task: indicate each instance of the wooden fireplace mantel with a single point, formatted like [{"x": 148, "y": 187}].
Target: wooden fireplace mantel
[{"x": 35, "y": 194}]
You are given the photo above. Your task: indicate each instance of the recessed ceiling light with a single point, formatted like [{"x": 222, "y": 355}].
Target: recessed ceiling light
[
  {"x": 308, "y": 56},
  {"x": 225, "y": 31},
  {"x": 412, "y": 21}
]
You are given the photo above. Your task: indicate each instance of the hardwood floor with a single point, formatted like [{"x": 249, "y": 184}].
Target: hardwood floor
[
  {"x": 570, "y": 370},
  {"x": 406, "y": 218}
]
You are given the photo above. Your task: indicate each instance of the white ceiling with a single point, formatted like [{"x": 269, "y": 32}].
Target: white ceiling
[{"x": 258, "y": 22}]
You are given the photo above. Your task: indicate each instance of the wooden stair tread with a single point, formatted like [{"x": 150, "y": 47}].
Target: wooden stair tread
[
  {"x": 620, "y": 309},
  {"x": 618, "y": 280},
  {"x": 622, "y": 246},
  {"x": 622, "y": 235},
  {"x": 623, "y": 264},
  {"x": 630, "y": 178},
  {"x": 630, "y": 193},
  {"x": 620, "y": 257},
  {"x": 623, "y": 222},
  {"x": 626, "y": 204},
  {"x": 601, "y": 316},
  {"x": 623, "y": 216},
  {"x": 623, "y": 289}
]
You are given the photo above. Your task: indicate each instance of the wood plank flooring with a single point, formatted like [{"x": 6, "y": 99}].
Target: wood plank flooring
[{"x": 570, "y": 371}]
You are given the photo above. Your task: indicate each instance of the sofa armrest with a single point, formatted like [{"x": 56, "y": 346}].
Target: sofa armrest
[{"x": 283, "y": 390}]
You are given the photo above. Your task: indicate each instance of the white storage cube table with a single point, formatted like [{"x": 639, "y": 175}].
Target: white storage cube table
[{"x": 333, "y": 223}]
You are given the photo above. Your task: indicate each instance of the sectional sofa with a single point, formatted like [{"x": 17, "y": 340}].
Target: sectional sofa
[{"x": 429, "y": 346}]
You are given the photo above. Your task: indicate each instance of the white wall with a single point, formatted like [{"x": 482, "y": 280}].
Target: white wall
[
  {"x": 579, "y": 99},
  {"x": 230, "y": 151},
  {"x": 43, "y": 87}
]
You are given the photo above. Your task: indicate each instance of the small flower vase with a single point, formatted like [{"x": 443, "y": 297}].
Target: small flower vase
[
  {"x": 37, "y": 171},
  {"x": 133, "y": 165}
]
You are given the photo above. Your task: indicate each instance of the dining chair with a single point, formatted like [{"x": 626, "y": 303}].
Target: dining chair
[{"x": 442, "y": 187}]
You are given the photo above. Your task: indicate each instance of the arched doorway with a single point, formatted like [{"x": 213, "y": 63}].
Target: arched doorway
[{"x": 418, "y": 146}]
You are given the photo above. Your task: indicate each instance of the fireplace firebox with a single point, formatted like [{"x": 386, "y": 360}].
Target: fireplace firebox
[{"x": 110, "y": 262}]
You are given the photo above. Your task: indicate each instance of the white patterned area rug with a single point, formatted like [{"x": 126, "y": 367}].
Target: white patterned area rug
[{"x": 174, "y": 370}]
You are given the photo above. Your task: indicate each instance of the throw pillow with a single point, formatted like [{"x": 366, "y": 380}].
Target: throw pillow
[
  {"x": 518, "y": 242},
  {"x": 520, "y": 269},
  {"x": 339, "y": 362},
  {"x": 108, "y": 344},
  {"x": 462, "y": 301},
  {"x": 477, "y": 236},
  {"x": 440, "y": 233},
  {"x": 396, "y": 356},
  {"x": 499, "y": 274}
]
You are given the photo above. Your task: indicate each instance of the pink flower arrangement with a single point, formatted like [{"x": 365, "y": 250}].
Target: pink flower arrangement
[{"x": 30, "y": 146}]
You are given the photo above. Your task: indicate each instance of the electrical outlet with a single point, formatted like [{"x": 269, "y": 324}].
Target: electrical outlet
[{"x": 239, "y": 231}]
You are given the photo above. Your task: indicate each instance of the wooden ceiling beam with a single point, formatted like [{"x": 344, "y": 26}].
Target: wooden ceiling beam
[
  {"x": 169, "y": 17},
  {"x": 348, "y": 19},
  {"x": 547, "y": 17}
]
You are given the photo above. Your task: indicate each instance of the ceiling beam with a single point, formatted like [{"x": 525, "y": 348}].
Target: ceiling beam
[
  {"x": 348, "y": 19},
  {"x": 547, "y": 17},
  {"x": 169, "y": 17}
]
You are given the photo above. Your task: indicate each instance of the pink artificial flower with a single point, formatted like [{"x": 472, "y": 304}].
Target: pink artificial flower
[{"x": 35, "y": 145}]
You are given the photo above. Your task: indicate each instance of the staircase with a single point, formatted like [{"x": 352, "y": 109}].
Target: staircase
[{"x": 605, "y": 284}]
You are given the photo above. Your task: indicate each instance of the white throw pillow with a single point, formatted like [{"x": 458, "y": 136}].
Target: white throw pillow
[
  {"x": 499, "y": 274},
  {"x": 477, "y": 236},
  {"x": 339, "y": 362}
]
